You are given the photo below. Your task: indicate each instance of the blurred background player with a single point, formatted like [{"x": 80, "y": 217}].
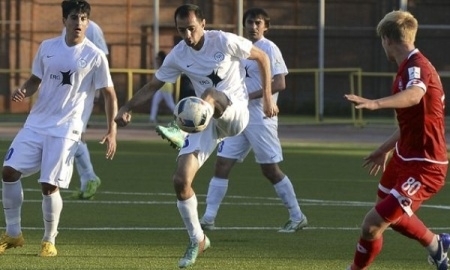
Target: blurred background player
[
  {"x": 89, "y": 181},
  {"x": 261, "y": 133},
  {"x": 418, "y": 167},
  {"x": 164, "y": 93}
]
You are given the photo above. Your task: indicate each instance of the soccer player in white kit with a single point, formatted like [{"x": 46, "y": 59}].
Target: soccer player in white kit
[
  {"x": 66, "y": 70},
  {"x": 89, "y": 181},
  {"x": 261, "y": 134},
  {"x": 211, "y": 60}
]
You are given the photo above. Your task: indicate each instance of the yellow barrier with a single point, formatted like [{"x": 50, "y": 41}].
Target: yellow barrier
[{"x": 356, "y": 76}]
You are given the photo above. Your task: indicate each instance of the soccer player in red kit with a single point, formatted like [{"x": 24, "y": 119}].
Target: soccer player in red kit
[{"x": 418, "y": 166}]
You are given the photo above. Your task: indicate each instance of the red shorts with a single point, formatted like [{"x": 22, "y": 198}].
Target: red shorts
[{"x": 408, "y": 184}]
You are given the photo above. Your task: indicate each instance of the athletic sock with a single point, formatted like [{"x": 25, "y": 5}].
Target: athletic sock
[
  {"x": 12, "y": 199},
  {"x": 285, "y": 191},
  {"x": 189, "y": 214},
  {"x": 216, "y": 192},
  {"x": 51, "y": 210}
]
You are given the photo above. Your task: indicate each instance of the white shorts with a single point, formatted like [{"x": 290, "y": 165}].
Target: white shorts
[
  {"x": 262, "y": 138},
  {"x": 232, "y": 122},
  {"x": 31, "y": 152}
]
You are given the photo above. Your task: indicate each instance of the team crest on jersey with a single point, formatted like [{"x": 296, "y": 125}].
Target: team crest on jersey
[
  {"x": 81, "y": 63},
  {"x": 414, "y": 73},
  {"x": 219, "y": 56}
]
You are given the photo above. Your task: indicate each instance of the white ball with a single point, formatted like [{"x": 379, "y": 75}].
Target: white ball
[{"x": 192, "y": 114}]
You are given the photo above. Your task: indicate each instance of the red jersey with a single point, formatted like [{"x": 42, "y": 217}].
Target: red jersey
[{"x": 422, "y": 126}]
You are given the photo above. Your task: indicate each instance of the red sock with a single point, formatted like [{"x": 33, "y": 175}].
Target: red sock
[
  {"x": 366, "y": 251},
  {"x": 413, "y": 228}
]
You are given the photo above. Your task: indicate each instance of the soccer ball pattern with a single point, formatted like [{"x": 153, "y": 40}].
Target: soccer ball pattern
[{"x": 192, "y": 114}]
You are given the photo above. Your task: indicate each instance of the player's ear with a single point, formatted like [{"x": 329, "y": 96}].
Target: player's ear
[{"x": 203, "y": 23}]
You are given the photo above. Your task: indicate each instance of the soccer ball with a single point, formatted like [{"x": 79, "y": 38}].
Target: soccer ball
[{"x": 192, "y": 114}]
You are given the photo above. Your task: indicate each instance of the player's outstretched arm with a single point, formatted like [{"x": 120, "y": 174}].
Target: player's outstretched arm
[{"x": 143, "y": 95}]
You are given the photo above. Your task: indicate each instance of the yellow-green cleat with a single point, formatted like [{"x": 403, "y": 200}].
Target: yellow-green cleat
[
  {"x": 7, "y": 242},
  {"x": 173, "y": 134},
  {"x": 192, "y": 251},
  {"x": 48, "y": 249},
  {"x": 91, "y": 188}
]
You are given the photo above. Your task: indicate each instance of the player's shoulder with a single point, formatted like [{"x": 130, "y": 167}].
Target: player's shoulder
[
  {"x": 266, "y": 44},
  {"x": 51, "y": 41}
]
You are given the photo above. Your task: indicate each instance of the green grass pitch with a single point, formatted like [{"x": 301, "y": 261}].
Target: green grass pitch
[{"x": 133, "y": 222}]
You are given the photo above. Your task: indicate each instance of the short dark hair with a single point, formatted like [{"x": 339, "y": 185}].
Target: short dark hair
[
  {"x": 184, "y": 11},
  {"x": 161, "y": 55},
  {"x": 81, "y": 6},
  {"x": 256, "y": 12}
]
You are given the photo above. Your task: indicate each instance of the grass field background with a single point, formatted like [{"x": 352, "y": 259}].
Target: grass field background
[{"x": 133, "y": 222}]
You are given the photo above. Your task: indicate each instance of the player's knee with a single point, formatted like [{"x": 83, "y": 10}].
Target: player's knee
[
  {"x": 272, "y": 173},
  {"x": 9, "y": 174},
  {"x": 48, "y": 189}
]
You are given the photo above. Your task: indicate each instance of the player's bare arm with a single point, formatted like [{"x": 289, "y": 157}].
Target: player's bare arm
[
  {"x": 110, "y": 97},
  {"x": 27, "y": 89},
  {"x": 278, "y": 85},
  {"x": 409, "y": 97},
  {"x": 378, "y": 158},
  {"x": 270, "y": 108},
  {"x": 144, "y": 94}
]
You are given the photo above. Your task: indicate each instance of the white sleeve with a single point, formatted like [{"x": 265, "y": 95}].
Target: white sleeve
[{"x": 95, "y": 34}]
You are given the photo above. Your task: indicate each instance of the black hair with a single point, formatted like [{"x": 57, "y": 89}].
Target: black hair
[
  {"x": 161, "y": 55},
  {"x": 184, "y": 11},
  {"x": 80, "y": 6},
  {"x": 255, "y": 13}
]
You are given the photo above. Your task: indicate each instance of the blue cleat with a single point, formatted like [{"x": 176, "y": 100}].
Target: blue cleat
[{"x": 440, "y": 260}]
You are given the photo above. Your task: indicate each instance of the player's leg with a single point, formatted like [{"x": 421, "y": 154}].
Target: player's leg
[
  {"x": 198, "y": 148},
  {"x": 168, "y": 99},
  {"x": 371, "y": 240},
  {"x": 229, "y": 151},
  {"x": 22, "y": 159},
  {"x": 88, "y": 179},
  {"x": 56, "y": 172},
  {"x": 268, "y": 153},
  {"x": 156, "y": 99}
]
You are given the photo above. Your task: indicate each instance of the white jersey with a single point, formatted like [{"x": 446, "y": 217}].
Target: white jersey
[
  {"x": 69, "y": 77},
  {"x": 253, "y": 79},
  {"x": 95, "y": 34},
  {"x": 217, "y": 64}
]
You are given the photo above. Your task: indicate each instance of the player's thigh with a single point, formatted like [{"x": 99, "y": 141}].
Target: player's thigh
[
  {"x": 416, "y": 182},
  {"x": 235, "y": 147},
  {"x": 265, "y": 143},
  {"x": 233, "y": 120},
  {"x": 57, "y": 161},
  {"x": 389, "y": 177},
  {"x": 25, "y": 152},
  {"x": 203, "y": 143}
]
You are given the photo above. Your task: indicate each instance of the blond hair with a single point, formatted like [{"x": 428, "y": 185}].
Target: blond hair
[{"x": 400, "y": 26}]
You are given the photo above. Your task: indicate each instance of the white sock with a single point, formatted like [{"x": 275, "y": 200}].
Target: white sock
[
  {"x": 286, "y": 192},
  {"x": 433, "y": 247},
  {"x": 84, "y": 165},
  {"x": 189, "y": 214},
  {"x": 12, "y": 199},
  {"x": 216, "y": 192},
  {"x": 52, "y": 206}
]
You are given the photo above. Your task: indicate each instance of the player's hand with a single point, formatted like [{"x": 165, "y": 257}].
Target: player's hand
[
  {"x": 123, "y": 117},
  {"x": 19, "y": 95},
  {"x": 271, "y": 109},
  {"x": 111, "y": 145},
  {"x": 375, "y": 161},
  {"x": 362, "y": 103}
]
